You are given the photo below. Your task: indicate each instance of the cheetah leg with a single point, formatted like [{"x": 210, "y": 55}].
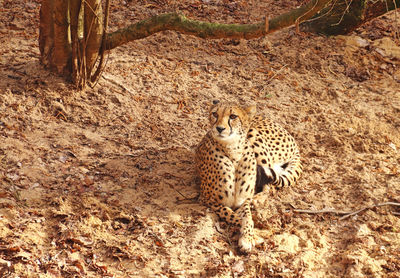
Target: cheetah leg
[
  {"x": 248, "y": 240},
  {"x": 243, "y": 219},
  {"x": 226, "y": 214}
]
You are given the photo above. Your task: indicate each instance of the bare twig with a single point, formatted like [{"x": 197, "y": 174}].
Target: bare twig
[
  {"x": 345, "y": 11},
  {"x": 185, "y": 198},
  {"x": 340, "y": 212},
  {"x": 299, "y": 19},
  {"x": 324, "y": 14},
  {"x": 347, "y": 214},
  {"x": 369, "y": 207},
  {"x": 276, "y": 73}
]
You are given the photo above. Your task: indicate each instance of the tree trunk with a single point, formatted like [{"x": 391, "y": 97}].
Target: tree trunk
[
  {"x": 70, "y": 37},
  {"x": 76, "y": 35},
  {"x": 344, "y": 16},
  {"x": 93, "y": 32},
  {"x": 46, "y": 32},
  {"x": 62, "y": 47}
]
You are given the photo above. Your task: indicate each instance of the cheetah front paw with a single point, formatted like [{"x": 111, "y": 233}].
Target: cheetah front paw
[{"x": 248, "y": 242}]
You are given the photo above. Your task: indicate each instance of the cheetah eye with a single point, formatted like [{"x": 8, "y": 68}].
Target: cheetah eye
[
  {"x": 233, "y": 116},
  {"x": 215, "y": 114}
]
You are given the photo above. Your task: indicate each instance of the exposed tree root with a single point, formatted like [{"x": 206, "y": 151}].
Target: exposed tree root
[{"x": 178, "y": 22}]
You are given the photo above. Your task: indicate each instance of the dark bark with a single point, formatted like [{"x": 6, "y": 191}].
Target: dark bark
[{"x": 344, "y": 16}]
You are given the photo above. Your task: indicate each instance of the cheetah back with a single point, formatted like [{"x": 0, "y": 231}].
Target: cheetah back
[{"x": 276, "y": 152}]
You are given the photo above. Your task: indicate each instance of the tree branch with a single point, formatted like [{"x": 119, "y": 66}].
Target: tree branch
[{"x": 180, "y": 23}]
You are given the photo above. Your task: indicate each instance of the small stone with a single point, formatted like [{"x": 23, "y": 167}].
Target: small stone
[
  {"x": 238, "y": 267},
  {"x": 30, "y": 6},
  {"x": 13, "y": 176},
  {"x": 63, "y": 158}
]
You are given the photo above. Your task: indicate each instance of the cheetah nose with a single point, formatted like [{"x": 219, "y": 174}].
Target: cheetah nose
[{"x": 220, "y": 129}]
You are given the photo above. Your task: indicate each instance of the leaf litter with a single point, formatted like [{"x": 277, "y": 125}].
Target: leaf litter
[{"x": 92, "y": 182}]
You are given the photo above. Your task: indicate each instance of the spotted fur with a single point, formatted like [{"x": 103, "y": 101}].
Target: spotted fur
[{"x": 239, "y": 155}]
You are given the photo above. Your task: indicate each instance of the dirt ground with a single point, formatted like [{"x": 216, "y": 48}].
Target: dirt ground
[{"x": 101, "y": 183}]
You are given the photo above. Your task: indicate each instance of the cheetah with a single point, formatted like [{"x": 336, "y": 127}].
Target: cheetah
[{"x": 237, "y": 158}]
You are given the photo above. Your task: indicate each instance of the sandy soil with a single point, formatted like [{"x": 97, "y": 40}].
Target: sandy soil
[{"x": 101, "y": 183}]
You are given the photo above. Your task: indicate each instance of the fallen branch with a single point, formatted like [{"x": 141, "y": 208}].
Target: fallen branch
[
  {"x": 184, "y": 197},
  {"x": 340, "y": 212},
  {"x": 369, "y": 207},
  {"x": 178, "y": 22},
  {"x": 347, "y": 214}
]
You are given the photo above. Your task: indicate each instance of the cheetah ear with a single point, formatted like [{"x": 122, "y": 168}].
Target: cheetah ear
[{"x": 250, "y": 110}]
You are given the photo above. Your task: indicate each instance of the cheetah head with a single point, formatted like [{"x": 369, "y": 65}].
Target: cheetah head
[{"x": 230, "y": 122}]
